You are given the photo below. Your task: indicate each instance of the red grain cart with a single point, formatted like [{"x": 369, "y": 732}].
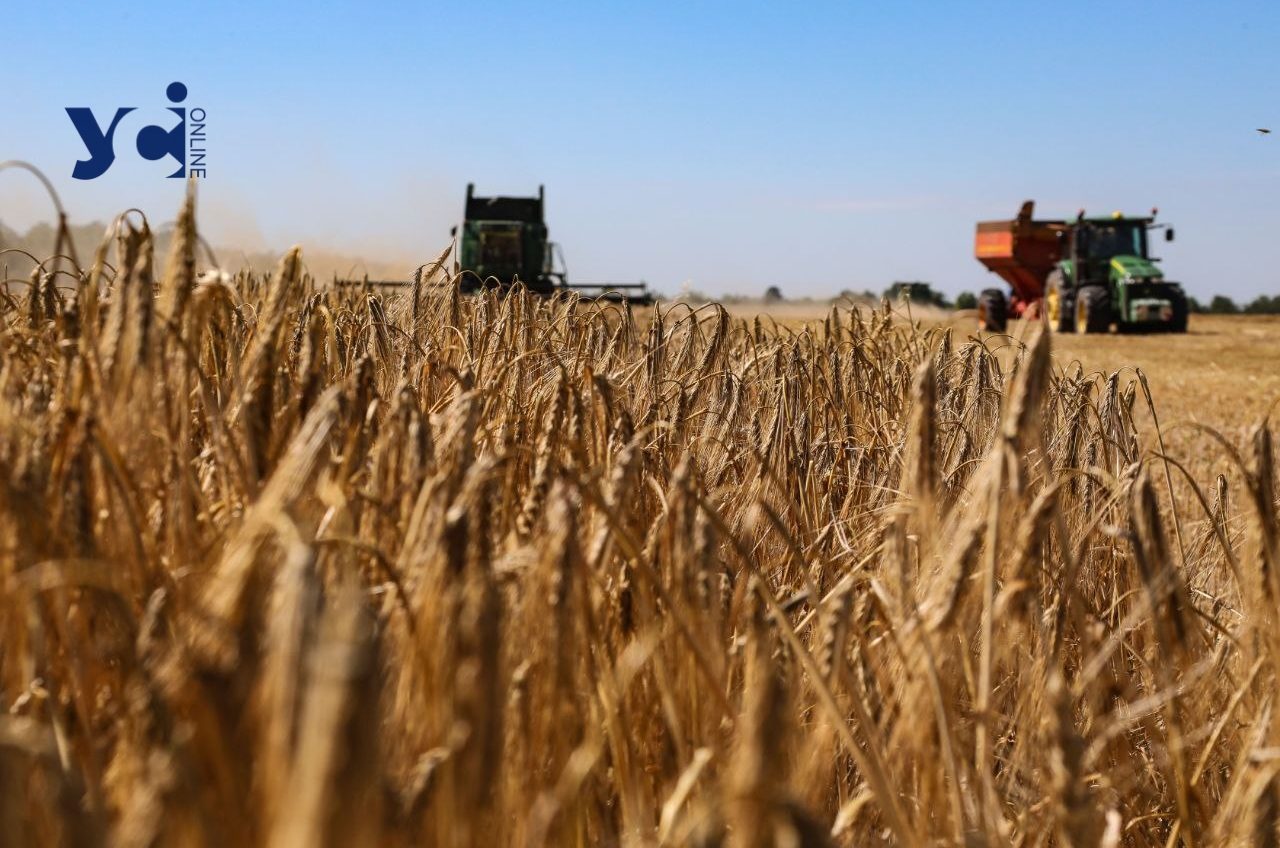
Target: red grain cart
[{"x": 1022, "y": 251}]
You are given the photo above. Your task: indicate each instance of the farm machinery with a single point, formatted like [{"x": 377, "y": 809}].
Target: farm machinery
[
  {"x": 1082, "y": 275},
  {"x": 504, "y": 241}
]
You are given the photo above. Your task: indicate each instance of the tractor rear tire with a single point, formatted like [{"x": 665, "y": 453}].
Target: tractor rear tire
[
  {"x": 1059, "y": 303},
  {"x": 1093, "y": 309},
  {"x": 993, "y": 311}
]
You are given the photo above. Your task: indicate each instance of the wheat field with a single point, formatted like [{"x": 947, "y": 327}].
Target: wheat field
[{"x": 286, "y": 564}]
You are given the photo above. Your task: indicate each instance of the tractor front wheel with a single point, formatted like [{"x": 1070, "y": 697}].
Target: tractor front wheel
[
  {"x": 1180, "y": 309},
  {"x": 993, "y": 311},
  {"x": 1093, "y": 310}
]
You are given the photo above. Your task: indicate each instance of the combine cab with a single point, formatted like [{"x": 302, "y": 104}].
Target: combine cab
[
  {"x": 504, "y": 240},
  {"x": 1083, "y": 275}
]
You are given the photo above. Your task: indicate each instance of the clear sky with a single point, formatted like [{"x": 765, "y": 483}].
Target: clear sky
[{"x": 727, "y": 146}]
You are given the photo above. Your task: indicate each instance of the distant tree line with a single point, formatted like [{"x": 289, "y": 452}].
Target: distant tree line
[
  {"x": 1223, "y": 305},
  {"x": 923, "y": 293},
  {"x": 916, "y": 291},
  {"x": 1219, "y": 305}
]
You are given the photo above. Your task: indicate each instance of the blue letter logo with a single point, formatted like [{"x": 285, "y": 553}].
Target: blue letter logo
[
  {"x": 101, "y": 146},
  {"x": 154, "y": 142},
  {"x": 157, "y": 142}
]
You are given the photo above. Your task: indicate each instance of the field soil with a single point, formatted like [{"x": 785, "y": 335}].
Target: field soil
[{"x": 1223, "y": 373}]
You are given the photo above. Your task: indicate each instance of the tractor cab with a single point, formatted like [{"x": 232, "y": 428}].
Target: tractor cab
[
  {"x": 1095, "y": 249},
  {"x": 1101, "y": 239},
  {"x": 1111, "y": 250}
]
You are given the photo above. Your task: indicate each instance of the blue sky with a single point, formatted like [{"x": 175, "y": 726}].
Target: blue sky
[{"x": 726, "y": 146}]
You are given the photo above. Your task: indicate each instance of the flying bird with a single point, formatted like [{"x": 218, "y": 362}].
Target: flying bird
[{"x": 1264, "y": 131}]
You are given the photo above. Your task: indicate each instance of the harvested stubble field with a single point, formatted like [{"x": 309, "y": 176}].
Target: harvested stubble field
[{"x": 292, "y": 566}]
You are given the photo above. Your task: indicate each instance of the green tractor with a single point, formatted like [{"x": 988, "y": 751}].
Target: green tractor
[
  {"x": 1084, "y": 275},
  {"x": 504, "y": 241}
]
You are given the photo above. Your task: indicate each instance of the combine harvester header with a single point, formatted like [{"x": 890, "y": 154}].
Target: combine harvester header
[{"x": 503, "y": 241}]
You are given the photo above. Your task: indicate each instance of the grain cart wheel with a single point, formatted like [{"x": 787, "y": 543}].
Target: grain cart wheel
[
  {"x": 1059, "y": 304},
  {"x": 1093, "y": 310},
  {"x": 993, "y": 311}
]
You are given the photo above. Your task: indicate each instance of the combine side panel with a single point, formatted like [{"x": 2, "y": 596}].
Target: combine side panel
[{"x": 1022, "y": 252}]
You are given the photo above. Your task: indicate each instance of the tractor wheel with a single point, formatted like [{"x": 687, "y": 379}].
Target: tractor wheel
[
  {"x": 1093, "y": 310},
  {"x": 993, "y": 311},
  {"x": 1059, "y": 304},
  {"x": 1180, "y": 309}
]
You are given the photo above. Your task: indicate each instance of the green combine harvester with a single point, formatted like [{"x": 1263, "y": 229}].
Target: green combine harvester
[
  {"x": 504, "y": 241},
  {"x": 1083, "y": 275}
]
